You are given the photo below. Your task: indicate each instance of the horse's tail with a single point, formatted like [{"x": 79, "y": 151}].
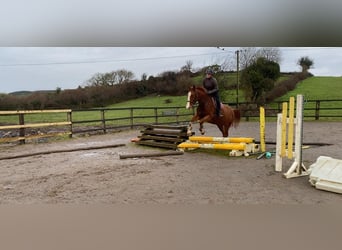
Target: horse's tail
[{"x": 237, "y": 117}]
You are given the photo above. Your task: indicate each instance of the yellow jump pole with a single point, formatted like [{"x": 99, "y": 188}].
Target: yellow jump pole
[
  {"x": 221, "y": 139},
  {"x": 223, "y": 146},
  {"x": 283, "y": 130},
  {"x": 290, "y": 128},
  {"x": 262, "y": 129}
]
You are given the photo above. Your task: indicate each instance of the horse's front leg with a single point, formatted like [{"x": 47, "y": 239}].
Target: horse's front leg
[
  {"x": 201, "y": 128},
  {"x": 201, "y": 121},
  {"x": 193, "y": 119}
]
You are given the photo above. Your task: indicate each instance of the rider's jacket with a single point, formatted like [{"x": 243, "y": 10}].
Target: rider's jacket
[{"x": 210, "y": 84}]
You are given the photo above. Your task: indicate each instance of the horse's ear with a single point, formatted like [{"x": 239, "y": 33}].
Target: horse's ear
[{"x": 193, "y": 87}]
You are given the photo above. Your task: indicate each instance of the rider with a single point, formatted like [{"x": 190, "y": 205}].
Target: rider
[{"x": 211, "y": 86}]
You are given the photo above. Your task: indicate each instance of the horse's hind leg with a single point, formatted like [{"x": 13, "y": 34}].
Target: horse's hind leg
[
  {"x": 201, "y": 128},
  {"x": 189, "y": 132},
  {"x": 224, "y": 130}
]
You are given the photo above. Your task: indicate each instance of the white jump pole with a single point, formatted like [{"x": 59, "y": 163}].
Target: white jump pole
[{"x": 297, "y": 168}]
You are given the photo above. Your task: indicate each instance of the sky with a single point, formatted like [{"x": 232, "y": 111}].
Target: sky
[
  {"x": 48, "y": 68},
  {"x": 52, "y": 44}
]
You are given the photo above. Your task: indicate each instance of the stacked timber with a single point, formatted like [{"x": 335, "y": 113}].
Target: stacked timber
[{"x": 163, "y": 136}]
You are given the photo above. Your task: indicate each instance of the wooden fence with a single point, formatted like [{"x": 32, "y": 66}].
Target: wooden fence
[
  {"x": 327, "y": 110},
  {"x": 21, "y": 126},
  {"x": 105, "y": 119},
  {"x": 118, "y": 118}
]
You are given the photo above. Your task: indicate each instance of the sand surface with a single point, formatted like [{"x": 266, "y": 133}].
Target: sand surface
[{"x": 99, "y": 176}]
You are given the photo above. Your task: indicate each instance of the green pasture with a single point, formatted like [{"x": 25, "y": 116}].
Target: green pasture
[
  {"x": 321, "y": 88},
  {"x": 34, "y": 118},
  {"x": 144, "y": 110},
  {"x": 318, "y": 88}
]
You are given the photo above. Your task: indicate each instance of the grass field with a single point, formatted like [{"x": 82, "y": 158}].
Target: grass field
[
  {"x": 153, "y": 101},
  {"x": 314, "y": 88},
  {"x": 318, "y": 88},
  {"x": 322, "y": 88}
]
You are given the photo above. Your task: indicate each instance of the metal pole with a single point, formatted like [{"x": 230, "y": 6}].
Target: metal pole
[{"x": 237, "y": 73}]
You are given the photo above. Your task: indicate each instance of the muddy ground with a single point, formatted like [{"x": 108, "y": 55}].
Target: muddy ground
[{"x": 99, "y": 176}]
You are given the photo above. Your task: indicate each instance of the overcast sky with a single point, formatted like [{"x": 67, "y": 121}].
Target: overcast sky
[
  {"x": 46, "y": 68},
  {"x": 63, "y": 43}
]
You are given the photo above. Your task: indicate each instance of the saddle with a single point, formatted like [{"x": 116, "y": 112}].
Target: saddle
[{"x": 214, "y": 102}]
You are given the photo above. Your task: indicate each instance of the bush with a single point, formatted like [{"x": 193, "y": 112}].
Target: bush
[{"x": 285, "y": 86}]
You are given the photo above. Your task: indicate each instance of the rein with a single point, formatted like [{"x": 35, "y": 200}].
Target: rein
[{"x": 195, "y": 100}]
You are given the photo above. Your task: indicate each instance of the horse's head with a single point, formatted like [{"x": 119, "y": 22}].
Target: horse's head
[
  {"x": 192, "y": 97},
  {"x": 195, "y": 94}
]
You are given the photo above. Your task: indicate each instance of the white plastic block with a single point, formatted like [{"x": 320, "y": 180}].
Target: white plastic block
[{"x": 326, "y": 174}]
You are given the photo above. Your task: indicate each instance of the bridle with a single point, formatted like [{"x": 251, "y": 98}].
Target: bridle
[{"x": 192, "y": 103}]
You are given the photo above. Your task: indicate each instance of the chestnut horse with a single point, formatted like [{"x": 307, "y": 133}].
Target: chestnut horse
[{"x": 206, "y": 111}]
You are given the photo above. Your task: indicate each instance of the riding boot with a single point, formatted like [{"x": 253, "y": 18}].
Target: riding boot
[{"x": 219, "y": 114}]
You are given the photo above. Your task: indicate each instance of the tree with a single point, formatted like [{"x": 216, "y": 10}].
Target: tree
[
  {"x": 306, "y": 63},
  {"x": 249, "y": 55},
  {"x": 270, "y": 53},
  {"x": 98, "y": 79},
  {"x": 187, "y": 67},
  {"x": 228, "y": 64},
  {"x": 124, "y": 76},
  {"x": 144, "y": 77},
  {"x": 58, "y": 90},
  {"x": 110, "y": 78},
  {"x": 215, "y": 67},
  {"x": 258, "y": 78}
]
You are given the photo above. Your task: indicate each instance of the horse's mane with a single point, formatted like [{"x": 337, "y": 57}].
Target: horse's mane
[
  {"x": 201, "y": 89},
  {"x": 203, "y": 92}
]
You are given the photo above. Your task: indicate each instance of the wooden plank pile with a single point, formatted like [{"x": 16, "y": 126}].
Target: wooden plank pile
[{"x": 163, "y": 136}]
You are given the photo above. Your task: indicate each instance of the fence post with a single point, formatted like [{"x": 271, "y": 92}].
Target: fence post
[
  {"x": 156, "y": 115},
  {"x": 131, "y": 114},
  {"x": 247, "y": 116},
  {"x": 103, "y": 120},
  {"x": 177, "y": 115},
  {"x": 318, "y": 105},
  {"x": 69, "y": 118},
  {"x": 21, "y": 130}
]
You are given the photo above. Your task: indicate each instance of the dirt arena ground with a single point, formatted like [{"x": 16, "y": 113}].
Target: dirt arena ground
[{"x": 101, "y": 177}]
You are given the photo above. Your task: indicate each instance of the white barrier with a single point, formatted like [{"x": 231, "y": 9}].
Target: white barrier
[
  {"x": 326, "y": 174},
  {"x": 285, "y": 128}
]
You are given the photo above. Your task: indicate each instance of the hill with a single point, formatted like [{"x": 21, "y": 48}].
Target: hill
[
  {"x": 312, "y": 88},
  {"x": 26, "y": 93},
  {"x": 153, "y": 101},
  {"x": 317, "y": 88},
  {"x": 21, "y": 93}
]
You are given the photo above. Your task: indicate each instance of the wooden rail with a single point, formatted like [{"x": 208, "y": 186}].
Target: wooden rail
[
  {"x": 117, "y": 118},
  {"x": 105, "y": 119},
  {"x": 22, "y": 137}
]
